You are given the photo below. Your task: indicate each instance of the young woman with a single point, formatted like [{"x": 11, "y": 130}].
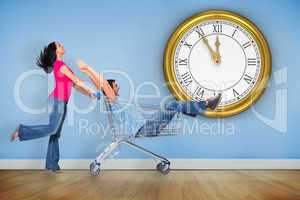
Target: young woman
[{"x": 51, "y": 59}]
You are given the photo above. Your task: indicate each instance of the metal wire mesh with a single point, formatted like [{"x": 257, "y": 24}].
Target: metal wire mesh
[{"x": 142, "y": 120}]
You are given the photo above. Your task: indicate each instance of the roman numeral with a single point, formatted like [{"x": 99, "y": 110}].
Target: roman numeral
[
  {"x": 248, "y": 78},
  {"x": 251, "y": 61},
  {"x": 200, "y": 32},
  {"x": 217, "y": 28},
  {"x": 235, "y": 93},
  {"x": 188, "y": 45},
  {"x": 247, "y": 44},
  {"x": 187, "y": 78},
  {"x": 183, "y": 61},
  {"x": 199, "y": 92},
  {"x": 233, "y": 33}
]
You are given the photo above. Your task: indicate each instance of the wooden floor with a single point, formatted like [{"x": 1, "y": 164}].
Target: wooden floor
[{"x": 185, "y": 185}]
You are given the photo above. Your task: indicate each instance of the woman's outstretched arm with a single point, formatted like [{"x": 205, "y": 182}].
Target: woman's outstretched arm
[
  {"x": 99, "y": 81},
  {"x": 85, "y": 91},
  {"x": 78, "y": 83}
]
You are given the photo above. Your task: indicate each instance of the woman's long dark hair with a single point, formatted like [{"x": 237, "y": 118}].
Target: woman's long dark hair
[{"x": 47, "y": 57}]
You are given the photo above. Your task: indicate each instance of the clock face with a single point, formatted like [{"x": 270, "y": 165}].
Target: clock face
[
  {"x": 218, "y": 52},
  {"x": 236, "y": 70}
]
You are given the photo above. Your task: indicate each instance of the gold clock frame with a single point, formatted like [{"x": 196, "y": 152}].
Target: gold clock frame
[{"x": 257, "y": 35}]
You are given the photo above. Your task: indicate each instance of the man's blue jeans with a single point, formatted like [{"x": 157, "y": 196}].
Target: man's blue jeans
[
  {"x": 58, "y": 109},
  {"x": 160, "y": 119},
  {"x": 192, "y": 108}
]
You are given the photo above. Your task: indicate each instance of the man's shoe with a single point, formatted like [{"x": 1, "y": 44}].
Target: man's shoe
[{"x": 213, "y": 102}]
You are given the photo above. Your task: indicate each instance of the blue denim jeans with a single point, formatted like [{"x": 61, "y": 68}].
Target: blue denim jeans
[
  {"x": 192, "y": 108},
  {"x": 160, "y": 119},
  {"x": 58, "y": 109}
]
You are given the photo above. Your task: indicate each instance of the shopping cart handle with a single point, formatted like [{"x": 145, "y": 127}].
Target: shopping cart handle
[{"x": 97, "y": 95}]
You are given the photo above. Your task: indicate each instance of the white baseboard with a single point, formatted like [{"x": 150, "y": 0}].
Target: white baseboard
[{"x": 139, "y": 164}]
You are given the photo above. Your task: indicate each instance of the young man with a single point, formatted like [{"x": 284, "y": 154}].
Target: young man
[{"x": 135, "y": 124}]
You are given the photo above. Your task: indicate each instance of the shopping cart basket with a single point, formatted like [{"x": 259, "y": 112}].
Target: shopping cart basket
[{"x": 157, "y": 122}]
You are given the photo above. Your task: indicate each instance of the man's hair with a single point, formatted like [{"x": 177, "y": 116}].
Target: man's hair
[{"x": 110, "y": 82}]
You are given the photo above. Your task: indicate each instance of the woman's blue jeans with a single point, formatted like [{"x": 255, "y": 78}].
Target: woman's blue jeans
[
  {"x": 58, "y": 109},
  {"x": 160, "y": 119}
]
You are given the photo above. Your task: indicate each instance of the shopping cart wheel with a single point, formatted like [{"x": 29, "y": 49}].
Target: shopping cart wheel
[
  {"x": 163, "y": 167},
  {"x": 95, "y": 168}
]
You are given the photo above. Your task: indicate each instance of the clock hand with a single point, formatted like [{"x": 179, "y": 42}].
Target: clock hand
[
  {"x": 213, "y": 54},
  {"x": 218, "y": 57}
]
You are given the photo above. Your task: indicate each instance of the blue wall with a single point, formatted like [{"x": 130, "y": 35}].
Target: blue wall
[{"x": 131, "y": 36}]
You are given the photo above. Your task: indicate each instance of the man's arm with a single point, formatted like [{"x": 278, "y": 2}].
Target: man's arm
[{"x": 97, "y": 79}]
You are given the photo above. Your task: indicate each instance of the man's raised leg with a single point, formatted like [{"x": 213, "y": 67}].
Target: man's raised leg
[{"x": 194, "y": 107}]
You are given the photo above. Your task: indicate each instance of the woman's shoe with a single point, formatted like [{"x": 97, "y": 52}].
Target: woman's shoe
[
  {"x": 54, "y": 171},
  {"x": 57, "y": 171}
]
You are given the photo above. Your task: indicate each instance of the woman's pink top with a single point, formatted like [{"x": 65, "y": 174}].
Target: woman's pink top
[{"x": 63, "y": 84}]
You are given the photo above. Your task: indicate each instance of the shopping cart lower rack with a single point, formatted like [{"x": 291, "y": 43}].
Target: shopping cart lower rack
[{"x": 158, "y": 122}]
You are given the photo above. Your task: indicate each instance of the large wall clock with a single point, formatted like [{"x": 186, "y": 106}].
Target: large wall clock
[{"x": 218, "y": 51}]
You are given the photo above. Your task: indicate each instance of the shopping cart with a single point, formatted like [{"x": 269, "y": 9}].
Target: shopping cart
[{"x": 158, "y": 122}]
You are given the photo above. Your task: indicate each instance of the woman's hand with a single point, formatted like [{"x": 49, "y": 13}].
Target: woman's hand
[
  {"x": 92, "y": 95},
  {"x": 82, "y": 88}
]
